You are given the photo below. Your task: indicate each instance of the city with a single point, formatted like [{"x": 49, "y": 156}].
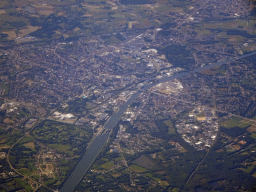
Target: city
[{"x": 66, "y": 69}]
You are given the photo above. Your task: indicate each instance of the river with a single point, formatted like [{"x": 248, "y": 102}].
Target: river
[{"x": 98, "y": 143}]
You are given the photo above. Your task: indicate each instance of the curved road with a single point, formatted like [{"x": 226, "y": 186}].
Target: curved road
[{"x": 99, "y": 142}]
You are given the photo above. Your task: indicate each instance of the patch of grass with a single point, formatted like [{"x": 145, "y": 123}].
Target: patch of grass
[
  {"x": 247, "y": 82},
  {"x": 50, "y": 181},
  {"x": 27, "y": 139},
  {"x": 166, "y": 8},
  {"x": 247, "y": 169},
  {"x": 235, "y": 122},
  {"x": 154, "y": 178},
  {"x": 107, "y": 165},
  {"x": 61, "y": 148},
  {"x": 169, "y": 124},
  {"x": 62, "y": 137},
  {"x": 253, "y": 135},
  {"x": 117, "y": 15},
  {"x": 5, "y": 87},
  {"x": 100, "y": 177},
  {"x": 104, "y": 159},
  {"x": 175, "y": 190},
  {"x": 24, "y": 184},
  {"x": 138, "y": 169},
  {"x": 111, "y": 40},
  {"x": 119, "y": 158}
]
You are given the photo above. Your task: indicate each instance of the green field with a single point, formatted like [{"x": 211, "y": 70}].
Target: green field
[
  {"x": 138, "y": 169},
  {"x": 248, "y": 169},
  {"x": 154, "y": 178},
  {"x": 107, "y": 165},
  {"x": 235, "y": 122},
  {"x": 171, "y": 129},
  {"x": 62, "y": 137},
  {"x": 61, "y": 148},
  {"x": 253, "y": 135},
  {"x": 65, "y": 139}
]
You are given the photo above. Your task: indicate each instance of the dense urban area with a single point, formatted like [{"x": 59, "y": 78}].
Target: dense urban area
[{"x": 68, "y": 66}]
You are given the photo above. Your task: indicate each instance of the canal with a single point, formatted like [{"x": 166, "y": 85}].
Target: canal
[{"x": 99, "y": 142}]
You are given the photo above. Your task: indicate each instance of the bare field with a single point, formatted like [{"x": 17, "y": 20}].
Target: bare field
[
  {"x": 92, "y": 7},
  {"x": 209, "y": 72},
  {"x": 11, "y": 34},
  {"x": 2, "y": 11},
  {"x": 42, "y": 6},
  {"x": 252, "y": 128},
  {"x": 27, "y": 30},
  {"x": 46, "y": 12},
  {"x": 8, "y": 121},
  {"x": 30, "y": 145}
]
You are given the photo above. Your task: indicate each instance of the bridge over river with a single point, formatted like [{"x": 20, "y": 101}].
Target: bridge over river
[{"x": 99, "y": 142}]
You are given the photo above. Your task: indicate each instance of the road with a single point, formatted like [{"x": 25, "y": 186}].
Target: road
[
  {"x": 25, "y": 134},
  {"x": 98, "y": 143},
  {"x": 8, "y": 158}
]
